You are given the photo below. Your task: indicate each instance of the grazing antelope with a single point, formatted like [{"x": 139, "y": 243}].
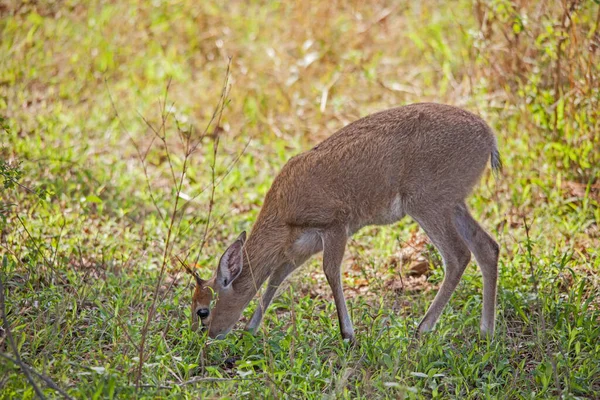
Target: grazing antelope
[{"x": 421, "y": 160}]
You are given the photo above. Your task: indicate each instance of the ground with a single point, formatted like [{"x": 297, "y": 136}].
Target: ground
[{"x": 104, "y": 105}]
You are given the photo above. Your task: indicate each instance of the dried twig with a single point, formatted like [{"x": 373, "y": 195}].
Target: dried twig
[
  {"x": 202, "y": 380},
  {"x": 43, "y": 377},
  {"x": 152, "y": 310},
  {"x": 192, "y": 381},
  {"x": 141, "y": 156},
  {"x": 175, "y": 221},
  {"x": 39, "y": 251},
  {"x": 217, "y": 114},
  {"x": 15, "y": 350}
]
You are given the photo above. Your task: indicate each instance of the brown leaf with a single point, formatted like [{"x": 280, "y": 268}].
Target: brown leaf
[
  {"x": 418, "y": 268},
  {"x": 579, "y": 190}
]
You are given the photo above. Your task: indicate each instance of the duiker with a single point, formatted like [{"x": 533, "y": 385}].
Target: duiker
[{"x": 421, "y": 160}]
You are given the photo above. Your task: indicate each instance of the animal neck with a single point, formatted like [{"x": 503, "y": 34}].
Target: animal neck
[{"x": 264, "y": 251}]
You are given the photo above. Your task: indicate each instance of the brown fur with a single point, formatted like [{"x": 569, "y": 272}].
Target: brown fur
[{"x": 421, "y": 160}]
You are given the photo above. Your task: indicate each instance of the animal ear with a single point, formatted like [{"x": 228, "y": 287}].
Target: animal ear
[
  {"x": 230, "y": 265},
  {"x": 199, "y": 281},
  {"x": 242, "y": 237}
]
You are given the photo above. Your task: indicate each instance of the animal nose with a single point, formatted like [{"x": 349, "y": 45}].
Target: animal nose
[{"x": 203, "y": 312}]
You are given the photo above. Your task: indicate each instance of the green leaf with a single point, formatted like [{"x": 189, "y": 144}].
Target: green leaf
[{"x": 93, "y": 199}]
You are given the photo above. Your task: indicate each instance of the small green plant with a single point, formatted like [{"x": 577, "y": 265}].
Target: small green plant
[{"x": 10, "y": 172}]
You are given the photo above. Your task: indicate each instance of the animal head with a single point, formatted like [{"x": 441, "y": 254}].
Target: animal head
[{"x": 215, "y": 304}]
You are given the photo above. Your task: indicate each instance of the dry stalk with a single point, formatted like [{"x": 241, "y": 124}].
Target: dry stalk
[
  {"x": 174, "y": 221},
  {"x": 26, "y": 369},
  {"x": 39, "y": 251},
  {"x": 217, "y": 114},
  {"x": 141, "y": 156}
]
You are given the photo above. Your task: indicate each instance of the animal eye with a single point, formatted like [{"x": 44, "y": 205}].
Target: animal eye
[{"x": 203, "y": 312}]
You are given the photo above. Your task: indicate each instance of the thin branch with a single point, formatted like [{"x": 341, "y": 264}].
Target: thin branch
[
  {"x": 126, "y": 332},
  {"x": 222, "y": 177},
  {"x": 138, "y": 151},
  {"x": 170, "y": 231},
  {"x": 190, "y": 382},
  {"x": 46, "y": 261},
  {"x": 187, "y": 251},
  {"x": 14, "y": 347},
  {"x": 219, "y": 108},
  {"x": 164, "y": 116},
  {"x": 211, "y": 201},
  {"x": 62, "y": 228},
  {"x": 32, "y": 240},
  {"x": 21, "y": 186},
  {"x": 214, "y": 161},
  {"x": 217, "y": 184},
  {"x": 51, "y": 384},
  {"x": 202, "y": 380},
  {"x": 155, "y": 387},
  {"x": 163, "y": 137}
]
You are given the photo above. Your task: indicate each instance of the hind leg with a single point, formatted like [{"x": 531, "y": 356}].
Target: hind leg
[
  {"x": 486, "y": 250},
  {"x": 439, "y": 226}
]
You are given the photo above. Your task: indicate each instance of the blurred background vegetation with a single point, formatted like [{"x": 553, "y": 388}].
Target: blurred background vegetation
[{"x": 88, "y": 188}]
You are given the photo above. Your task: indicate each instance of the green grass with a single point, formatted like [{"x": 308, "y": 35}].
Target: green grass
[{"x": 82, "y": 239}]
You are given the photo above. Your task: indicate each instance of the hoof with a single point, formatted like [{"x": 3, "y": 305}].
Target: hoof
[
  {"x": 251, "y": 330},
  {"x": 424, "y": 327},
  {"x": 350, "y": 341},
  {"x": 349, "y": 337},
  {"x": 487, "y": 331}
]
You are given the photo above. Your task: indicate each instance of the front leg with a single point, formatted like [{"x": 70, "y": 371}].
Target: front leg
[
  {"x": 276, "y": 279},
  {"x": 334, "y": 245}
]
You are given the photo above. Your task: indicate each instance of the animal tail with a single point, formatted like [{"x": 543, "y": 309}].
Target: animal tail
[{"x": 495, "y": 160}]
